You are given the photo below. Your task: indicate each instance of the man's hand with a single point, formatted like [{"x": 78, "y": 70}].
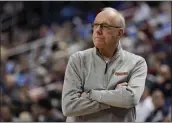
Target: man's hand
[
  {"x": 122, "y": 84},
  {"x": 85, "y": 95}
]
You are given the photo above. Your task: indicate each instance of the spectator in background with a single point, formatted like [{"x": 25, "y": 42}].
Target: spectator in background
[
  {"x": 145, "y": 107},
  {"x": 164, "y": 82},
  {"x": 47, "y": 112},
  {"x": 144, "y": 9},
  {"x": 6, "y": 114},
  {"x": 25, "y": 117},
  {"x": 35, "y": 112},
  {"x": 160, "y": 112}
]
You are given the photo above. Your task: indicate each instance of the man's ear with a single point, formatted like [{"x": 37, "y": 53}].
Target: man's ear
[{"x": 120, "y": 32}]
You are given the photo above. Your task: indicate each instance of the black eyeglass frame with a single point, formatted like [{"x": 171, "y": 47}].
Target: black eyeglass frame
[{"x": 103, "y": 25}]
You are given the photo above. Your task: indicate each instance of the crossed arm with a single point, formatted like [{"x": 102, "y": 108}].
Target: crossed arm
[
  {"x": 125, "y": 95},
  {"x": 75, "y": 102}
]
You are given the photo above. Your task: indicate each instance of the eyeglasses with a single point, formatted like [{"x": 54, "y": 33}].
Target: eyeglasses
[{"x": 103, "y": 26}]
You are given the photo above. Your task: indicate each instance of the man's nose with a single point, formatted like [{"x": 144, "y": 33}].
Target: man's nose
[{"x": 98, "y": 30}]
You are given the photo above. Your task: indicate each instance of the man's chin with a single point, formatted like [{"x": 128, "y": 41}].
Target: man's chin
[{"x": 99, "y": 45}]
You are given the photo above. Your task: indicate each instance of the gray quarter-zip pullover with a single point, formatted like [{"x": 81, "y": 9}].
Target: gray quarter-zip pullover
[{"x": 87, "y": 71}]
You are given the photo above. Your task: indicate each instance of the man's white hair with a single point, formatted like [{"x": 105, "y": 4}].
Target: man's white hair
[{"x": 120, "y": 21}]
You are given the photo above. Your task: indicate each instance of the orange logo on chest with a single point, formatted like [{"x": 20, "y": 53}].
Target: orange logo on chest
[{"x": 121, "y": 73}]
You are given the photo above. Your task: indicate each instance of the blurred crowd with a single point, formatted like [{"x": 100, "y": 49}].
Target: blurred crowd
[{"x": 35, "y": 51}]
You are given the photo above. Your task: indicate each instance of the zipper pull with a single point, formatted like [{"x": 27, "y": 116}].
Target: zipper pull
[{"x": 106, "y": 68}]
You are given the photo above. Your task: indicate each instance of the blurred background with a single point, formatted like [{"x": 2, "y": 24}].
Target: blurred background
[{"x": 37, "y": 39}]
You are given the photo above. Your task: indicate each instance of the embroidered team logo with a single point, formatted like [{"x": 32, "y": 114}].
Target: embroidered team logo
[{"x": 121, "y": 73}]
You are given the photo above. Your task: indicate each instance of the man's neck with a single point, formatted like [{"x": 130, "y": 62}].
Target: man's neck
[{"x": 107, "y": 53}]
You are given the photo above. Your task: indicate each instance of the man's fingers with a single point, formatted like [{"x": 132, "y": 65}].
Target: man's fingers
[
  {"x": 122, "y": 84},
  {"x": 84, "y": 94}
]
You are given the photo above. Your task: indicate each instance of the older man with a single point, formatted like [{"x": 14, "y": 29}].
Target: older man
[{"x": 104, "y": 83}]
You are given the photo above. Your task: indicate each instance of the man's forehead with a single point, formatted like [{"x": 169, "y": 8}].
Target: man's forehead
[{"x": 106, "y": 17}]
